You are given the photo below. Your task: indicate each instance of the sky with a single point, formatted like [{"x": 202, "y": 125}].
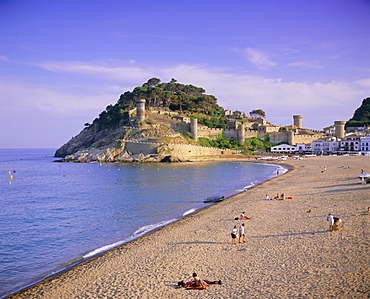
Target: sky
[{"x": 63, "y": 62}]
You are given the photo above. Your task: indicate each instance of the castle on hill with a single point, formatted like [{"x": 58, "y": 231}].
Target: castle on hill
[{"x": 242, "y": 127}]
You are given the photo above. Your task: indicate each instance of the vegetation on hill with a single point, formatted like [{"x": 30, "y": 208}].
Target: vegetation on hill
[
  {"x": 249, "y": 147},
  {"x": 171, "y": 96},
  {"x": 257, "y": 113},
  {"x": 361, "y": 117}
]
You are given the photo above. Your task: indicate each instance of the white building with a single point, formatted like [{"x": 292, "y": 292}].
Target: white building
[
  {"x": 325, "y": 145},
  {"x": 287, "y": 148},
  {"x": 365, "y": 145},
  {"x": 283, "y": 148},
  {"x": 350, "y": 144}
]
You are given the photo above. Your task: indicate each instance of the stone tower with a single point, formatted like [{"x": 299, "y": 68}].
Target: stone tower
[
  {"x": 194, "y": 128},
  {"x": 140, "y": 110},
  {"x": 298, "y": 121},
  {"x": 241, "y": 133},
  {"x": 291, "y": 139},
  {"x": 339, "y": 128}
]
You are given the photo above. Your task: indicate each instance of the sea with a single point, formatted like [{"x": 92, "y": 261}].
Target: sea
[{"x": 54, "y": 215}]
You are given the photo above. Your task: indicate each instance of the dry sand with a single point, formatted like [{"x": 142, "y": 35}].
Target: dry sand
[{"x": 289, "y": 253}]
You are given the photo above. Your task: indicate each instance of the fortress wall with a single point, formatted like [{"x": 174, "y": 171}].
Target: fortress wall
[
  {"x": 298, "y": 138},
  {"x": 181, "y": 126},
  {"x": 188, "y": 151},
  {"x": 178, "y": 150},
  {"x": 231, "y": 134},
  {"x": 145, "y": 148},
  {"x": 278, "y": 138},
  {"x": 228, "y": 133},
  {"x": 251, "y": 134},
  {"x": 208, "y": 133},
  {"x": 306, "y": 138}
]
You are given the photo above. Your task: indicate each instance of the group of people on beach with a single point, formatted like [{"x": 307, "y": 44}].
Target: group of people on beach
[
  {"x": 277, "y": 197},
  {"x": 238, "y": 233}
]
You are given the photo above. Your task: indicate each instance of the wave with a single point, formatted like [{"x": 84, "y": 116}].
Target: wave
[
  {"x": 138, "y": 233},
  {"x": 188, "y": 212},
  {"x": 249, "y": 186}
]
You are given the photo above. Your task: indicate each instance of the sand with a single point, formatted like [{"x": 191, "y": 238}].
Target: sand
[{"x": 289, "y": 253}]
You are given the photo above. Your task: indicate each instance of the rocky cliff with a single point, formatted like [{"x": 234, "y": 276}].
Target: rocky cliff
[{"x": 109, "y": 145}]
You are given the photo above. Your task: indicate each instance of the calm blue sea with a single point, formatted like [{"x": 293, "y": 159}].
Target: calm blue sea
[{"x": 54, "y": 214}]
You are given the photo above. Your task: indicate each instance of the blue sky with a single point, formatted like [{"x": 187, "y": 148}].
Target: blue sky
[{"x": 62, "y": 62}]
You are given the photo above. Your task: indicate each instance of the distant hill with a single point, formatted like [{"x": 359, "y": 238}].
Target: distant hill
[{"x": 361, "y": 117}]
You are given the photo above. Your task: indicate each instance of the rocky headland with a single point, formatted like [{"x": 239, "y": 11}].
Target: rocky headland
[{"x": 151, "y": 139}]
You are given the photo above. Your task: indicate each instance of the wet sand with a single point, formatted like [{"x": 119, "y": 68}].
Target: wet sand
[{"x": 289, "y": 253}]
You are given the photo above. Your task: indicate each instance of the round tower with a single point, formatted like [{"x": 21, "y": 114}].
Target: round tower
[
  {"x": 194, "y": 128},
  {"x": 241, "y": 133},
  {"x": 297, "y": 121},
  {"x": 140, "y": 110},
  {"x": 291, "y": 139},
  {"x": 339, "y": 128}
]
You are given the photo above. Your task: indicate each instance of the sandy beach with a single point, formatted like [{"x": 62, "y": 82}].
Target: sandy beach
[{"x": 289, "y": 253}]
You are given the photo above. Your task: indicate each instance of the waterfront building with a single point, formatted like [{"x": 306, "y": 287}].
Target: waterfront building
[
  {"x": 325, "y": 145},
  {"x": 365, "y": 145},
  {"x": 288, "y": 148},
  {"x": 350, "y": 143}
]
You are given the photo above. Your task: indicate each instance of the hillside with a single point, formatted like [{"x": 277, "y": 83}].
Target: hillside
[
  {"x": 116, "y": 122},
  {"x": 361, "y": 117}
]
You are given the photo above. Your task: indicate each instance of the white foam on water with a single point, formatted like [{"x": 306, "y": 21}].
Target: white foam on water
[
  {"x": 138, "y": 233},
  {"x": 188, "y": 212}
]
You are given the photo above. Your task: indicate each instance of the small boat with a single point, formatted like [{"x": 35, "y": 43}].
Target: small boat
[
  {"x": 214, "y": 199},
  {"x": 364, "y": 177}
]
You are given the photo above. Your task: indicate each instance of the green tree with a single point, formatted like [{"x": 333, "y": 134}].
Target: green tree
[
  {"x": 257, "y": 113},
  {"x": 153, "y": 82}
]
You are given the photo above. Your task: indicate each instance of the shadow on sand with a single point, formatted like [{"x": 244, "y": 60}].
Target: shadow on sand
[{"x": 291, "y": 234}]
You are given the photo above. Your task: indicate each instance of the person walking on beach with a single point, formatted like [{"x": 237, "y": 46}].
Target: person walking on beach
[
  {"x": 330, "y": 219},
  {"x": 234, "y": 231},
  {"x": 241, "y": 233}
]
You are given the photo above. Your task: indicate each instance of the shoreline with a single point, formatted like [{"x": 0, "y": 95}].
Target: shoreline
[
  {"x": 205, "y": 234},
  {"x": 82, "y": 259}
]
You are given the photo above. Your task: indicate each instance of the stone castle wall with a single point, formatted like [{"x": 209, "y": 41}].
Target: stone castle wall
[
  {"x": 177, "y": 150},
  {"x": 283, "y": 137}
]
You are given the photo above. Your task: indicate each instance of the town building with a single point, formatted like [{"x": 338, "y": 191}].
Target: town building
[
  {"x": 326, "y": 145},
  {"x": 350, "y": 144},
  {"x": 365, "y": 145},
  {"x": 288, "y": 148}
]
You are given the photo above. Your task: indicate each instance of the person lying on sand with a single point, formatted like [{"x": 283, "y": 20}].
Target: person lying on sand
[
  {"x": 197, "y": 282},
  {"x": 243, "y": 217}
]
